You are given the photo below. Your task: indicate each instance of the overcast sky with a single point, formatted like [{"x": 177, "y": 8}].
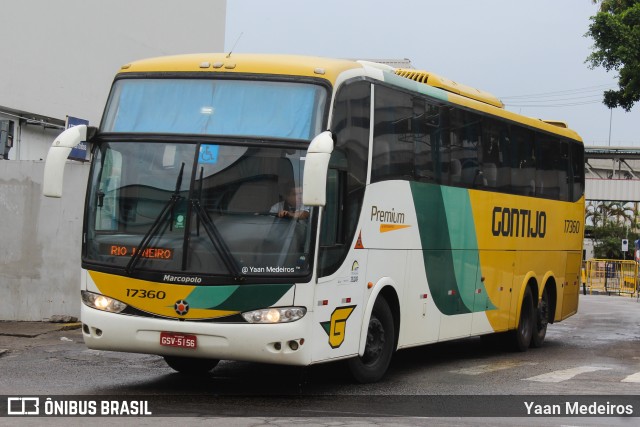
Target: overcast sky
[{"x": 507, "y": 47}]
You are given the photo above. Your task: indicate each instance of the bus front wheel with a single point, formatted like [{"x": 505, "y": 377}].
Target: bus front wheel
[
  {"x": 372, "y": 365},
  {"x": 190, "y": 365}
]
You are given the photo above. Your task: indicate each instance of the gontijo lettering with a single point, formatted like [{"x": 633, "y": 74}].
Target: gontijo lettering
[{"x": 514, "y": 222}]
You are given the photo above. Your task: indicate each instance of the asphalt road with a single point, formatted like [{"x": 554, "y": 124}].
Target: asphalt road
[{"x": 596, "y": 352}]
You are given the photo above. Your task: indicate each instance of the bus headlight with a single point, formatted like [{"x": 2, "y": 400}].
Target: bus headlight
[
  {"x": 101, "y": 302},
  {"x": 275, "y": 315}
]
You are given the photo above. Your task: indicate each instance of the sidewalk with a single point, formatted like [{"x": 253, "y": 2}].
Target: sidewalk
[{"x": 11, "y": 330}]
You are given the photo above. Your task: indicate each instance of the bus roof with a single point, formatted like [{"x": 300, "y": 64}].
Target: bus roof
[
  {"x": 330, "y": 69},
  {"x": 306, "y": 66}
]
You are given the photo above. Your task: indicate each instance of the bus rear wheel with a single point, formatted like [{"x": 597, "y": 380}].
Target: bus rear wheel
[
  {"x": 521, "y": 337},
  {"x": 542, "y": 320},
  {"x": 190, "y": 365},
  {"x": 372, "y": 365}
]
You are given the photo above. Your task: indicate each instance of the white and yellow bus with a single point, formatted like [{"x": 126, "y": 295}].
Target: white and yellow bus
[{"x": 428, "y": 213}]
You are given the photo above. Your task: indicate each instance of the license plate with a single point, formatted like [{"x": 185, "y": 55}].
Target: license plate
[{"x": 173, "y": 339}]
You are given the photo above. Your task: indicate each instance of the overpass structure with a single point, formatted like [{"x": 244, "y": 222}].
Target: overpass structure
[{"x": 612, "y": 173}]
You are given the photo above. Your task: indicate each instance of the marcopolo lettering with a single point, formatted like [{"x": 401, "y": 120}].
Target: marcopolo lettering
[
  {"x": 386, "y": 216},
  {"x": 514, "y": 222},
  {"x": 181, "y": 279}
]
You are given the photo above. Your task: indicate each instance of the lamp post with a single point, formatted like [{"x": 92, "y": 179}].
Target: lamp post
[{"x": 610, "y": 120}]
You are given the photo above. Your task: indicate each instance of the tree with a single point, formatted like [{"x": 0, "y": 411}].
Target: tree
[
  {"x": 603, "y": 213},
  {"x": 615, "y": 30},
  {"x": 608, "y": 241},
  {"x": 593, "y": 214}
]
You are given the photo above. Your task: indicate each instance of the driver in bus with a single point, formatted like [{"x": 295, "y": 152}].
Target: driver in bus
[{"x": 291, "y": 206}]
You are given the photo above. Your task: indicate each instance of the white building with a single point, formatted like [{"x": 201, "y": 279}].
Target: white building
[{"x": 60, "y": 58}]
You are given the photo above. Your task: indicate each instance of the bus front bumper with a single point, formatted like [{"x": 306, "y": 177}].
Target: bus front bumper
[{"x": 284, "y": 343}]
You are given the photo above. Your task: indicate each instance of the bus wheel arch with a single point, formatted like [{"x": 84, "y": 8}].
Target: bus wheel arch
[
  {"x": 380, "y": 331},
  {"x": 390, "y": 295}
]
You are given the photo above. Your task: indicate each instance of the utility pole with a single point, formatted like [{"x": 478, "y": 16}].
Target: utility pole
[{"x": 610, "y": 120}]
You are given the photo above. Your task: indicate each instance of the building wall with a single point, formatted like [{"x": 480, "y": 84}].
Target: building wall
[
  {"x": 60, "y": 56},
  {"x": 40, "y": 242},
  {"x": 60, "y": 59}
]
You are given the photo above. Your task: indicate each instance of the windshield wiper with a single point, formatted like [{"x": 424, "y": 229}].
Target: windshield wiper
[
  {"x": 160, "y": 219},
  {"x": 217, "y": 240}
]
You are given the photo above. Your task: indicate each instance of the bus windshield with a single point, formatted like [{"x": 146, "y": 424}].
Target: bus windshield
[
  {"x": 206, "y": 209},
  {"x": 241, "y": 108}
]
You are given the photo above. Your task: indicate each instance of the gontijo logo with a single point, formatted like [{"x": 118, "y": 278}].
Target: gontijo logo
[
  {"x": 514, "y": 222},
  {"x": 389, "y": 220}
]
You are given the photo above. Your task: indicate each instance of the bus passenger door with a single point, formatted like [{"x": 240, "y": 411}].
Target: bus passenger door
[
  {"x": 339, "y": 309},
  {"x": 338, "y": 297}
]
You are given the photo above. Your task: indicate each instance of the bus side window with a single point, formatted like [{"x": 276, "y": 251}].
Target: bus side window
[
  {"x": 426, "y": 116},
  {"x": 496, "y": 173},
  {"x": 523, "y": 172},
  {"x": 394, "y": 134},
  {"x": 563, "y": 172},
  {"x": 577, "y": 170},
  {"x": 331, "y": 216},
  {"x": 548, "y": 166}
]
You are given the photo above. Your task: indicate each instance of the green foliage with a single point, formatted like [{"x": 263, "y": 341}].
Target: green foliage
[
  {"x": 601, "y": 213},
  {"x": 615, "y": 30},
  {"x": 608, "y": 241}
]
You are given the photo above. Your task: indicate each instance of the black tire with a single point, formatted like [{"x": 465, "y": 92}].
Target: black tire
[
  {"x": 190, "y": 365},
  {"x": 521, "y": 337},
  {"x": 542, "y": 320},
  {"x": 373, "y": 364}
]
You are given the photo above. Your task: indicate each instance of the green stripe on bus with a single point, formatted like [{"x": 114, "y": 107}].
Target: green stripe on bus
[
  {"x": 450, "y": 248},
  {"x": 436, "y": 248},
  {"x": 236, "y": 298},
  {"x": 462, "y": 231}
]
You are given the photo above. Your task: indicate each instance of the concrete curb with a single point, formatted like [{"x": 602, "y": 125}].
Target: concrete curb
[{"x": 34, "y": 329}]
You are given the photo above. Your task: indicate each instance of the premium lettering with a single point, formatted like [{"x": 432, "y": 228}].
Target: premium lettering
[{"x": 391, "y": 216}]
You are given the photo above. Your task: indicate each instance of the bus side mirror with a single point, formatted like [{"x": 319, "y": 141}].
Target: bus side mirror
[
  {"x": 57, "y": 158},
  {"x": 316, "y": 165}
]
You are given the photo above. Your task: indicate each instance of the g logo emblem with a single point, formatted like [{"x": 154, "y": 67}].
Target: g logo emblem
[{"x": 337, "y": 326}]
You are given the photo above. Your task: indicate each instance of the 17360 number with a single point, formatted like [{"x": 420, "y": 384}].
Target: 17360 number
[{"x": 143, "y": 293}]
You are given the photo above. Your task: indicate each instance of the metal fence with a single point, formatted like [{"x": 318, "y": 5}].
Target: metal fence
[{"x": 611, "y": 276}]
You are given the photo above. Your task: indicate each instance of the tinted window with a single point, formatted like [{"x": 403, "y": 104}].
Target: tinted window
[
  {"x": 347, "y": 174},
  {"x": 496, "y": 155},
  {"x": 394, "y": 135},
  {"x": 416, "y": 138},
  {"x": 577, "y": 168}
]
